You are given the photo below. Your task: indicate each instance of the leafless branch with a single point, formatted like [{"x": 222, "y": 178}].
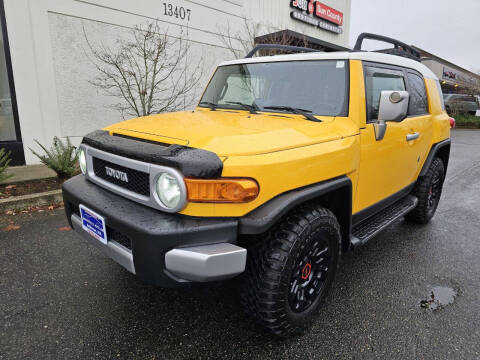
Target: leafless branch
[
  {"x": 241, "y": 41},
  {"x": 148, "y": 72}
]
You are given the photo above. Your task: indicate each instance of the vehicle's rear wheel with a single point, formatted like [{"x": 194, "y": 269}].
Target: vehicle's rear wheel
[
  {"x": 290, "y": 271},
  {"x": 428, "y": 191}
]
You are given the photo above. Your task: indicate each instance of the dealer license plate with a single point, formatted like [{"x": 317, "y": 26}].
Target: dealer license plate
[{"x": 93, "y": 223}]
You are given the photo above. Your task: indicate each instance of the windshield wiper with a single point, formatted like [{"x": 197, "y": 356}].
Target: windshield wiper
[
  {"x": 304, "y": 112},
  {"x": 252, "y": 108},
  {"x": 211, "y": 105}
]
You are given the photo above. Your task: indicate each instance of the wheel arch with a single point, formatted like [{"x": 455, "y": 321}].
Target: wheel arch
[
  {"x": 441, "y": 150},
  {"x": 335, "y": 195}
]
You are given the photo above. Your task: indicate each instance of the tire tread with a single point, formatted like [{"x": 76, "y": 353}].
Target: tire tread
[{"x": 261, "y": 292}]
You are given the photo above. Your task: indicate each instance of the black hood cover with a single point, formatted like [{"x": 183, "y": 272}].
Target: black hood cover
[{"x": 189, "y": 161}]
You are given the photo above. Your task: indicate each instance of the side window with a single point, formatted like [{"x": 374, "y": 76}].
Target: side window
[
  {"x": 440, "y": 93},
  {"x": 418, "y": 104},
  {"x": 376, "y": 80}
]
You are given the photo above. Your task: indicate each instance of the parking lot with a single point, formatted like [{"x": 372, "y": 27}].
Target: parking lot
[{"x": 60, "y": 298}]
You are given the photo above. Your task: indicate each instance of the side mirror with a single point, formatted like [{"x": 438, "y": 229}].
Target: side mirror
[{"x": 393, "y": 107}]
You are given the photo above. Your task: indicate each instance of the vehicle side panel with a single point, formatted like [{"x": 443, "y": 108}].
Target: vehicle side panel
[
  {"x": 440, "y": 119},
  {"x": 392, "y": 164},
  {"x": 282, "y": 171}
]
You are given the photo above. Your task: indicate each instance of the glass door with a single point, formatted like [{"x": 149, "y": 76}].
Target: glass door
[
  {"x": 7, "y": 121},
  {"x": 10, "y": 137}
]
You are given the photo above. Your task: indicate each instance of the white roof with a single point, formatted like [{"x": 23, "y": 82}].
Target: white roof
[{"x": 341, "y": 55}]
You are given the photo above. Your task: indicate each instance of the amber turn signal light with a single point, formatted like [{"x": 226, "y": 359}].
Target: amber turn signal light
[{"x": 221, "y": 190}]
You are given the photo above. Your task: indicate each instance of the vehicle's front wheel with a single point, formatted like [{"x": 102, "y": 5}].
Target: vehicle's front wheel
[
  {"x": 428, "y": 190},
  {"x": 290, "y": 270}
]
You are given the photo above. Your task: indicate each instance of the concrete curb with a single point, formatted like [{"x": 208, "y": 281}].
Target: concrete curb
[
  {"x": 27, "y": 173},
  {"x": 26, "y": 201}
]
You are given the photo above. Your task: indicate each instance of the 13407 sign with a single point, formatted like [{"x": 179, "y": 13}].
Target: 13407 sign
[{"x": 178, "y": 12}]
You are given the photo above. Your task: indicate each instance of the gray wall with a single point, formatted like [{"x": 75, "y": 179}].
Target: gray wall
[{"x": 52, "y": 70}]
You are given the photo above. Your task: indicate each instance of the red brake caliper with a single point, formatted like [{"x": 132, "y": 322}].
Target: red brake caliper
[{"x": 307, "y": 269}]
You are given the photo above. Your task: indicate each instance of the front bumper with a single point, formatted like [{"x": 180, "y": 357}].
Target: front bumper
[{"x": 162, "y": 249}]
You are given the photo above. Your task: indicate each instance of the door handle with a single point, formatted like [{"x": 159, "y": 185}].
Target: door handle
[{"x": 413, "y": 136}]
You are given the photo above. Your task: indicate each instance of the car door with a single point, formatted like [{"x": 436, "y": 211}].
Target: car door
[
  {"x": 419, "y": 112},
  {"x": 471, "y": 104},
  {"x": 389, "y": 165}
]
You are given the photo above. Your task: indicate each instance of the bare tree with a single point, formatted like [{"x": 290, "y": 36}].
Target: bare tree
[
  {"x": 148, "y": 72},
  {"x": 241, "y": 41}
]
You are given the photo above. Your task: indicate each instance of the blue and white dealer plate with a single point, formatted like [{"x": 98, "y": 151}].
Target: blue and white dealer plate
[{"x": 93, "y": 223}]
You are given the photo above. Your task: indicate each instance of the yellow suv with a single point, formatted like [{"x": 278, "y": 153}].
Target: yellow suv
[{"x": 287, "y": 162}]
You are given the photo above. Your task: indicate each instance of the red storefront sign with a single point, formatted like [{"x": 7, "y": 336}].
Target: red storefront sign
[
  {"x": 319, "y": 10},
  {"x": 326, "y": 12}
]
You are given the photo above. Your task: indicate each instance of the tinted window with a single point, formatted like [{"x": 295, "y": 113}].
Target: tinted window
[
  {"x": 318, "y": 86},
  {"x": 377, "y": 80},
  {"x": 418, "y": 103}
]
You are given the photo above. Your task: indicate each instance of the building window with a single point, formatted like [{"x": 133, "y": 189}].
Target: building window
[
  {"x": 7, "y": 119},
  {"x": 10, "y": 136}
]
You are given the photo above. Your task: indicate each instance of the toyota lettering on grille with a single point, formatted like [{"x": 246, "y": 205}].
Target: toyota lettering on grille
[{"x": 120, "y": 175}]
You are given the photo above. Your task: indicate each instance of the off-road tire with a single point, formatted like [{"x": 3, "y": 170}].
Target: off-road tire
[
  {"x": 425, "y": 210},
  {"x": 272, "y": 264}
]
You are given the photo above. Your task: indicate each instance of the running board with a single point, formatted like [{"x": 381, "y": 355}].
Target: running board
[{"x": 371, "y": 226}]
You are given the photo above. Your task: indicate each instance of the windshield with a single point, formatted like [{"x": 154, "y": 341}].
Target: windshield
[{"x": 319, "y": 87}]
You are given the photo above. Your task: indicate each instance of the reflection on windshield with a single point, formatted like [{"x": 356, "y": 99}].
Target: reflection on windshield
[{"x": 317, "y": 86}]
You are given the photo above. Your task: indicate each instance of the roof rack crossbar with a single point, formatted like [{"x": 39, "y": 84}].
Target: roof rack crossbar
[
  {"x": 289, "y": 48},
  {"x": 396, "y": 43}
]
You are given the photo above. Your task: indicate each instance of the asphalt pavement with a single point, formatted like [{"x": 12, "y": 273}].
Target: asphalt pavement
[{"x": 61, "y": 299}]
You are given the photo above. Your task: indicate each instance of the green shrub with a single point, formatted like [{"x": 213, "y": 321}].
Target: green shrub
[
  {"x": 61, "y": 158},
  {"x": 4, "y": 162},
  {"x": 467, "y": 121}
]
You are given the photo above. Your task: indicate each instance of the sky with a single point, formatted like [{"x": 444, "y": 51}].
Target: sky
[{"x": 446, "y": 28}]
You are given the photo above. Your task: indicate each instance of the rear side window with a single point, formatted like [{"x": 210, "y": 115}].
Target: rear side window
[
  {"x": 440, "y": 93},
  {"x": 418, "y": 103},
  {"x": 377, "y": 80}
]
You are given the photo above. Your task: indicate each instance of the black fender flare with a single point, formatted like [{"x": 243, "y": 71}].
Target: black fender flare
[
  {"x": 442, "y": 146},
  {"x": 262, "y": 218}
]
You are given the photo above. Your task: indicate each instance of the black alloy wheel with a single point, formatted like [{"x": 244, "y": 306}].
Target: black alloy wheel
[
  {"x": 309, "y": 277},
  {"x": 291, "y": 269},
  {"x": 428, "y": 191},
  {"x": 434, "y": 191}
]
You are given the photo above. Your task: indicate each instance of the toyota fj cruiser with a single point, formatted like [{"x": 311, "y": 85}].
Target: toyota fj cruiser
[{"x": 287, "y": 162}]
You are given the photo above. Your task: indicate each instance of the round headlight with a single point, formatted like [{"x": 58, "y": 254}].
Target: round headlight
[
  {"x": 82, "y": 160},
  {"x": 168, "y": 190}
]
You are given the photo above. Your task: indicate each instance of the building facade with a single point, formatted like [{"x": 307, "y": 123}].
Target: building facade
[
  {"x": 45, "y": 68},
  {"x": 453, "y": 78}
]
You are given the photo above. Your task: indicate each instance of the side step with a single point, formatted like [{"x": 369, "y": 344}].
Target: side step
[{"x": 371, "y": 226}]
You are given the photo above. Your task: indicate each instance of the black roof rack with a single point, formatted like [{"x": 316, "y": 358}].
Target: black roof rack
[
  {"x": 400, "y": 48},
  {"x": 288, "y": 48}
]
